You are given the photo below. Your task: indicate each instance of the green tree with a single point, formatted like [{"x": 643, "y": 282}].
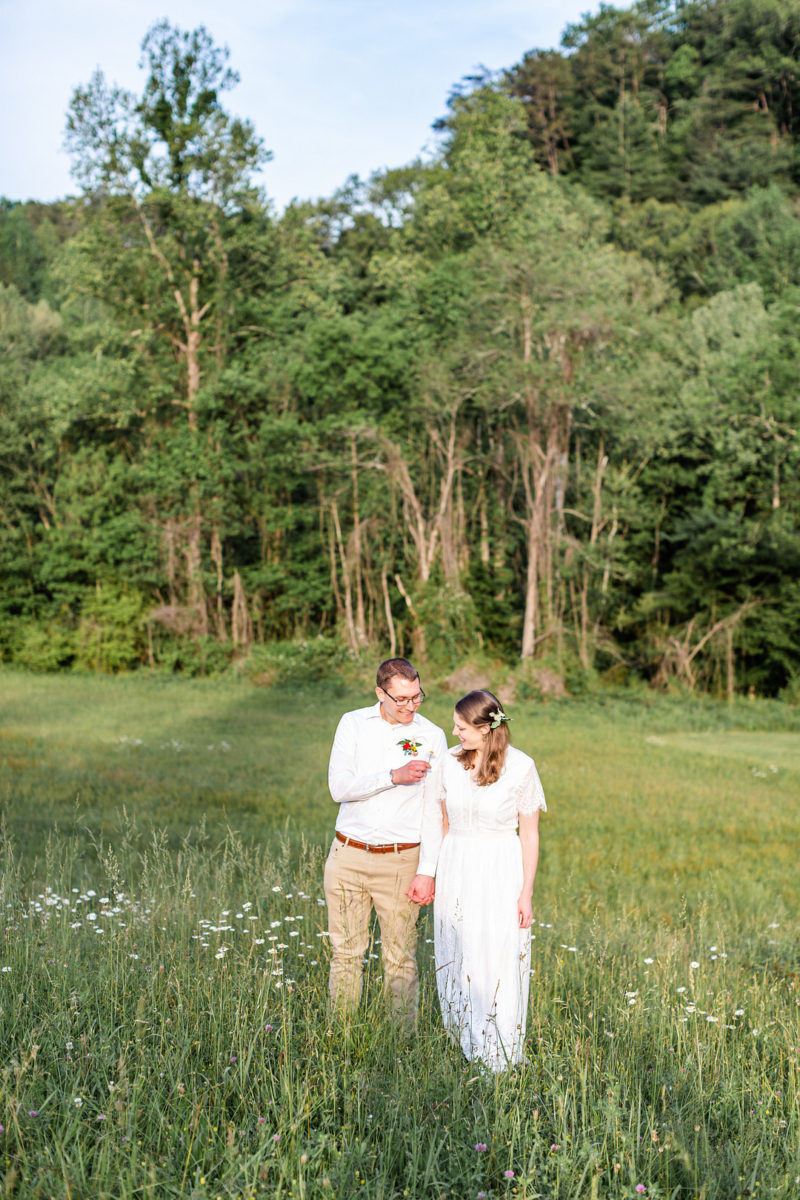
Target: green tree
[{"x": 172, "y": 216}]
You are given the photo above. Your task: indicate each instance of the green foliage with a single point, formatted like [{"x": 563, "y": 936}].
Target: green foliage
[
  {"x": 111, "y": 630},
  {"x": 536, "y": 396},
  {"x": 696, "y": 101},
  {"x": 42, "y": 646},
  {"x": 300, "y": 662}
]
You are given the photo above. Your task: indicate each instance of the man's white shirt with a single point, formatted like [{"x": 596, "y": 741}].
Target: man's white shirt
[{"x": 366, "y": 749}]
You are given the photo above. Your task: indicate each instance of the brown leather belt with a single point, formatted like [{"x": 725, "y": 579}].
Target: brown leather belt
[{"x": 390, "y": 849}]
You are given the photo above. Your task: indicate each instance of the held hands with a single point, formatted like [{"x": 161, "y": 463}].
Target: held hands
[
  {"x": 525, "y": 912},
  {"x": 422, "y": 889},
  {"x": 411, "y": 771}
]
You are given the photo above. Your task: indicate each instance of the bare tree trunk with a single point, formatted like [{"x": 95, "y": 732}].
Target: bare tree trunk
[
  {"x": 483, "y": 521},
  {"x": 192, "y": 553},
  {"x": 191, "y": 314},
  {"x": 240, "y": 617},
  {"x": 170, "y": 533},
  {"x": 350, "y": 627},
  {"x": 387, "y": 607},
  {"x": 216, "y": 558},
  {"x": 360, "y": 620},
  {"x": 587, "y": 569},
  {"x": 418, "y": 633},
  {"x": 537, "y": 467},
  {"x": 337, "y": 596},
  {"x": 436, "y": 532}
]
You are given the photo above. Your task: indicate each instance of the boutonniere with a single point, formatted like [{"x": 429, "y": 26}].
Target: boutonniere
[{"x": 410, "y": 748}]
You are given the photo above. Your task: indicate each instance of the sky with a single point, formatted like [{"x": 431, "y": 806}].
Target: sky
[{"x": 333, "y": 87}]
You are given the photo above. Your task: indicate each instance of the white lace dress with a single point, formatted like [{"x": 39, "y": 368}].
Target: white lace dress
[{"x": 482, "y": 956}]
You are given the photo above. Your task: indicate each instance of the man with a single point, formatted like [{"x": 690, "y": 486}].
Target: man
[{"x": 384, "y": 767}]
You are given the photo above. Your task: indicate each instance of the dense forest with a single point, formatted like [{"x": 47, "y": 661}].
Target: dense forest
[{"x": 537, "y": 397}]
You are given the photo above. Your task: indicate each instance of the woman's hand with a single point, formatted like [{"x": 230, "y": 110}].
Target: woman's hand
[
  {"x": 525, "y": 912},
  {"x": 422, "y": 890}
]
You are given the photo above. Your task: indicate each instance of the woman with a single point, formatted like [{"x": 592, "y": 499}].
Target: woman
[{"x": 484, "y": 884}]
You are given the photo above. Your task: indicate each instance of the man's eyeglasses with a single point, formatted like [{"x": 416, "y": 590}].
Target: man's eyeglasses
[{"x": 420, "y": 696}]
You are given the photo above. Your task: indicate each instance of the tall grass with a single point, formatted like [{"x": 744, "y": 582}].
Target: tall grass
[{"x": 164, "y": 1025}]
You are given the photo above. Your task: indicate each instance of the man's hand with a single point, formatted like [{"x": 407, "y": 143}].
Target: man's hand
[
  {"x": 422, "y": 889},
  {"x": 410, "y": 772}
]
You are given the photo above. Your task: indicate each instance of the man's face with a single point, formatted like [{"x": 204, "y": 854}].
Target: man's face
[{"x": 400, "y": 699}]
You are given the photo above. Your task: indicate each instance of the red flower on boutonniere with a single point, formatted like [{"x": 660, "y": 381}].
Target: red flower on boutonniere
[{"x": 410, "y": 748}]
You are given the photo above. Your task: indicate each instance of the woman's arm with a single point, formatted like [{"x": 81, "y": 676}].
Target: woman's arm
[{"x": 529, "y": 838}]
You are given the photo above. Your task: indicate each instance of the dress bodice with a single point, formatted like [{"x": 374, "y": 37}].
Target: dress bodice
[{"x": 497, "y": 807}]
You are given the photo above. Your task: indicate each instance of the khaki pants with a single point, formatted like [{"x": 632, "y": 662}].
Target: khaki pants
[{"x": 355, "y": 883}]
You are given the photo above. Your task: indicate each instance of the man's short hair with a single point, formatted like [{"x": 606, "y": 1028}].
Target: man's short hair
[{"x": 395, "y": 666}]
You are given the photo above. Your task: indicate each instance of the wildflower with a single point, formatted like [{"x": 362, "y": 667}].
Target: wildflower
[
  {"x": 33, "y": 1112},
  {"x": 508, "y": 1174},
  {"x": 261, "y": 1120},
  {"x": 694, "y": 965},
  {"x": 649, "y": 960},
  {"x": 640, "y": 1187},
  {"x": 555, "y": 1146},
  {"x": 481, "y": 1146},
  {"x": 303, "y": 1158},
  {"x": 2, "y": 1128},
  {"x": 267, "y": 1029},
  {"x": 681, "y": 989},
  {"x": 78, "y": 1102},
  {"x": 276, "y": 1137}
]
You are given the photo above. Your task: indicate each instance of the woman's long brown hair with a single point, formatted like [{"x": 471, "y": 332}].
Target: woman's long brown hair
[{"x": 476, "y": 708}]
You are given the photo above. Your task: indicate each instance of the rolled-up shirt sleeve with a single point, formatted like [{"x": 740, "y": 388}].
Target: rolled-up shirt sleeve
[{"x": 345, "y": 783}]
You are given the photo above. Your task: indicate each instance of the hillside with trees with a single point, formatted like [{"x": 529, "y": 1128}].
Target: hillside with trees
[{"x": 538, "y": 396}]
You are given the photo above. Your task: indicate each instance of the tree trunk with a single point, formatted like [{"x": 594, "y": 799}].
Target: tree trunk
[
  {"x": 349, "y": 622},
  {"x": 240, "y": 617}
]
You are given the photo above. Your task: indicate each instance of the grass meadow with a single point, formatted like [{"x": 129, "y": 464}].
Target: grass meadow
[{"x": 164, "y": 1029}]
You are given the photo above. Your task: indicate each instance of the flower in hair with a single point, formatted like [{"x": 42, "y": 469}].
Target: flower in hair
[{"x": 498, "y": 716}]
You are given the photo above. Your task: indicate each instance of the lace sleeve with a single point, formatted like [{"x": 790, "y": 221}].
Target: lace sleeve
[{"x": 528, "y": 794}]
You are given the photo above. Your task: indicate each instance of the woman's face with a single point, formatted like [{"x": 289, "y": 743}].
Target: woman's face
[{"x": 470, "y": 737}]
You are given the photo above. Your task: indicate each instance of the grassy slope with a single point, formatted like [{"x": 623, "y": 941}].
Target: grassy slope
[
  {"x": 186, "y": 1050},
  {"x": 650, "y": 800}
]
